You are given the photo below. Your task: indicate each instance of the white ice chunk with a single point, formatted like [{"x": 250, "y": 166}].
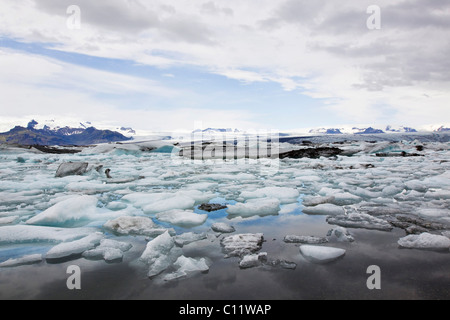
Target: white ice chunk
[
  {"x": 314, "y": 201},
  {"x": 324, "y": 209},
  {"x": 261, "y": 207},
  {"x": 425, "y": 241},
  {"x": 285, "y": 195},
  {"x": 242, "y": 244},
  {"x": 186, "y": 266},
  {"x": 71, "y": 168},
  {"x": 253, "y": 260},
  {"x": 340, "y": 234},
  {"x": 180, "y": 202},
  {"x": 116, "y": 205},
  {"x": 304, "y": 239},
  {"x": 109, "y": 250},
  {"x": 318, "y": 254},
  {"x": 182, "y": 218},
  {"x": 31, "y": 234},
  {"x": 128, "y": 225},
  {"x": 67, "y": 249},
  {"x": 222, "y": 227},
  {"x": 438, "y": 194},
  {"x": 68, "y": 211},
  {"x": 29, "y": 259},
  {"x": 9, "y": 220},
  {"x": 160, "y": 253},
  {"x": 188, "y": 237},
  {"x": 360, "y": 220}
]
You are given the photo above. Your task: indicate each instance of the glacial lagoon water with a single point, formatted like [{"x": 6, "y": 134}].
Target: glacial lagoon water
[{"x": 154, "y": 184}]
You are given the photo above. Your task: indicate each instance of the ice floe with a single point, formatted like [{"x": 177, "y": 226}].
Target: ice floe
[
  {"x": 159, "y": 254},
  {"x": 320, "y": 254},
  {"x": 305, "y": 239},
  {"x": 109, "y": 250},
  {"x": 189, "y": 237},
  {"x": 324, "y": 209},
  {"x": 73, "y": 248},
  {"x": 260, "y": 207},
  {"x": 242, "y": 244},
  {"x": 25, "y": 260},
  {"x": 425, "y": 241},
  {"x": 360, "y": 220},
  {"x": 182, "y": 218},
  {"x": 187, "y": 266},
  {"x": 222, "y": 227},
  {"x": 130, "y": 225}
]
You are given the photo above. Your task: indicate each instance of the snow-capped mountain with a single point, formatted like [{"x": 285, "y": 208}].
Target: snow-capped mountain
[{"x": 49, "y": 133}]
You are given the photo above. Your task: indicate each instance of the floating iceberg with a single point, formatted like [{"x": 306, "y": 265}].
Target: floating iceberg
[
  {"x": 71, "y": 168},
  {"x": 109, "y": 250},
  {"x": 305, "y": 239},
  {"x": 425, "y": 241},
  {"x": 222, "y": 227},
  {"x": 188, "y": 237},
  {"x": 318, "y": 254},
  {"x": 360, "y": 220},
  {"x": 160, "y": 253},
  {"x": 324, "y": 209},
  {"x": 29, "y": 259},
  {"x": 128, "y": 225},
  {"x": 77, "y": 247},
  {"x": 261, "y": 207},
  {"x": 253, "y": 260},
  {"x": 242, "y": 244},
  {"x": 186, "y": 266},
  {"x": 35, "y": 234},
  {"x": 69, "y": 212},
  {"x": 340, "y": 234},
  {"x": 182, "y": 218},
  {"x": 283, "y": 194}
]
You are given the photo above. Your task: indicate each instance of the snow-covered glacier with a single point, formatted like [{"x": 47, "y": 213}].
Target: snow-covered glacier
[{"x": 138, "y": 205}]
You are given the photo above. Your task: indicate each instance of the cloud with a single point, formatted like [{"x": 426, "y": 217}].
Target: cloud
[{"x": 320, "y": 49}]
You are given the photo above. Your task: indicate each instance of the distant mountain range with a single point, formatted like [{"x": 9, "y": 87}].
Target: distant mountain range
[
  {"x": 48, "y": 136},
  {"x": 371, "y": 130}
]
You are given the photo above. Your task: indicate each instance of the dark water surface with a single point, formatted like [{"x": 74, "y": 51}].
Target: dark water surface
[{"x": 405, "y": 274}]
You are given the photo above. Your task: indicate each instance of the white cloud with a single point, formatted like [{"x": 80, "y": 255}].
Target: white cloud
[{"x": 322, "y": 49}]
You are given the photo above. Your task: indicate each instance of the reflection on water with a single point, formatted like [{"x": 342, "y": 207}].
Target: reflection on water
[{"x": 405, "y": 274}]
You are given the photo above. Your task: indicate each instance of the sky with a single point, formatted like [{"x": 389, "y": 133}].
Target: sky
[{"x": 165, "y": 65}]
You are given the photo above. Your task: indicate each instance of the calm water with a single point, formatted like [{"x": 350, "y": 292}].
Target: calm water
[{"x": 405, "y": 274}]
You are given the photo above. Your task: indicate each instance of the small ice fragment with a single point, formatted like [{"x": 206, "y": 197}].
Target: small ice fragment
[
  {"x": 360, "y": 220},
  {"x": 324, "y": 209},
  {"x": 186, "y": 266},
  {"x": 304, "y": 239},
  {"x": 70, "y": 210},
  {"x": 71, "y": 169},
  {"x": 182, "y": 218},
  {"x": 318, "y": 254},
  {"x": 128, "y": 225},
  {"x": 188, "y": 237},
  {"x": 261, "y": 207},
  {"x": 222, "y": 227},
  {"x": 253, "y": 260},
  {"x": 29, "y": 259},
  {"x": 340, "y": 234},
  {"x": 67, "y": 249},
  {"x": 425, "y": 241},
  {"x": 160, "y": 253},
  {"x": 242, "y": 244}
]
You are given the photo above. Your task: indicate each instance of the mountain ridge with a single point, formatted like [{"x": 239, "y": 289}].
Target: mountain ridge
[{"x": 59, "y": 136}]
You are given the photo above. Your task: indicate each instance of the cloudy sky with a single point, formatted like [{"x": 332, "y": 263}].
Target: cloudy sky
[{"x": 265, "y": 64}]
